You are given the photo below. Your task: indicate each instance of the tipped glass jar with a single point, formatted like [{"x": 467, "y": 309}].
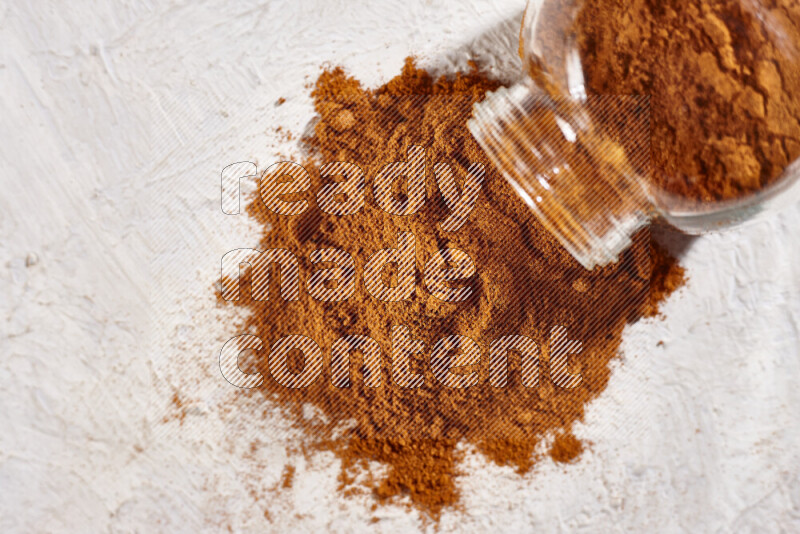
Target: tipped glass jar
[{"x": 687, "y": 110}]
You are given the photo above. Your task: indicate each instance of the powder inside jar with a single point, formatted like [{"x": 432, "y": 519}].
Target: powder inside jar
[{"x": 724, "y": 82}]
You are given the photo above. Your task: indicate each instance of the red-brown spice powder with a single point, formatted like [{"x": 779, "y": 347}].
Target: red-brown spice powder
[
  {"x": 525, "y": 283},
  {"x": 724, "y": 83}
]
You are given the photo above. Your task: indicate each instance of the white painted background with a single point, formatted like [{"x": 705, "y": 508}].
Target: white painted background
[{"x": 116, "y": 119}]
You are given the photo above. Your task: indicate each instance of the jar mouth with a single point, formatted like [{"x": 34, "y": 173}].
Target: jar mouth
[
  {"x": 602, "y": 250},
  {"x": 579, "y": 184}
]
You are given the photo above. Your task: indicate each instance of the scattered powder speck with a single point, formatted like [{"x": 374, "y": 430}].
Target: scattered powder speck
[{"x": 565, "y": 448}]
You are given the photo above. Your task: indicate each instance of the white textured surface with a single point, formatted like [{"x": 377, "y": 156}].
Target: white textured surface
[{"x": 116, "y": 119}]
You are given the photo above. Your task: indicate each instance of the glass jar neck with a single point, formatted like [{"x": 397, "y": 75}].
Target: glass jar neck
[{"x": 585, "y": 187}]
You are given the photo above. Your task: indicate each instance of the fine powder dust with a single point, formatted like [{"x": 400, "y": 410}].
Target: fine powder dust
[
  {"x": 525, "y": 283},
  {"x": 724, "y": 82}
]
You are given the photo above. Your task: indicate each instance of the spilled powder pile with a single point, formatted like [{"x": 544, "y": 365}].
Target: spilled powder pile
[
  {"x": 525, "y": 284},
  {"x": 724, "y": 81}
]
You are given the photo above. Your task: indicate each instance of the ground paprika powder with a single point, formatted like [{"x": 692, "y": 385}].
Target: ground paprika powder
[{"x": 525, "y": 283}]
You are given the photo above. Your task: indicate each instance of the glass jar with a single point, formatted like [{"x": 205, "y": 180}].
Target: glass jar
[{"x": 709, "y": 138}]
